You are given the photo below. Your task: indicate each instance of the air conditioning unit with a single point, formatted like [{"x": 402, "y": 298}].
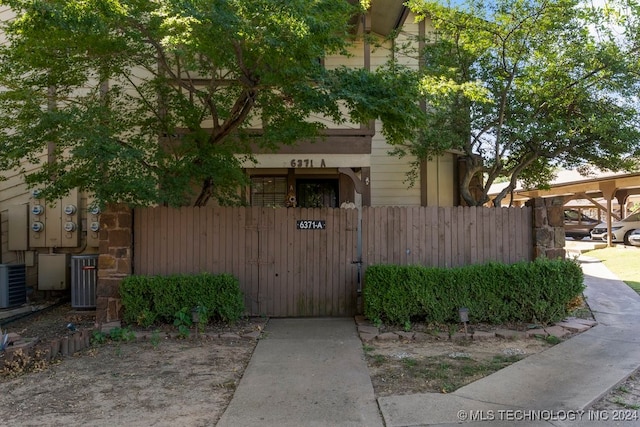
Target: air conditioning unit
[
  {"x": 13, "y": 285},
  {"x": 84, "y": 281}
]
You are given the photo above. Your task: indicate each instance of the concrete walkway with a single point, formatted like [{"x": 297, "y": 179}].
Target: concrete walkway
[
  {"x": 312, "y": 372},
  {"x": 305, "y": 372}
]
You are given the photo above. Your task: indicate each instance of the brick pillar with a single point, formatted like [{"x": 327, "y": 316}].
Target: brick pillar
[
  {"x": 114, "y": 262},
  {"x": 548, "y": 227}
]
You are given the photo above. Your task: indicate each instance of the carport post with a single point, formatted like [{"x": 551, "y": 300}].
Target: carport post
[{"x": 608, "y": 191}]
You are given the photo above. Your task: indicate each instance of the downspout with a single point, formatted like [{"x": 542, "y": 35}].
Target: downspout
[{"x": 51, "y": 145}]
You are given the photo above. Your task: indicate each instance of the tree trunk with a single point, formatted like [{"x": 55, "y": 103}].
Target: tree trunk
[
  {"x": 205, "y": 193},
  {"x": 473, "y": 166}
]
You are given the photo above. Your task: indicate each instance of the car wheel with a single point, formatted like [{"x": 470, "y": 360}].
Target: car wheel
[
  {"x": 578, "y": 237},
  {"x": 626, "y": 237}
]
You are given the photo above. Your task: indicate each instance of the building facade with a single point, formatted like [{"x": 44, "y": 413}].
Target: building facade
[{"x": 349, "y": 166}]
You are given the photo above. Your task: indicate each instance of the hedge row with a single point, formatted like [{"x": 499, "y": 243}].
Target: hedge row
[
  {"x": 537, "y": 291},
  {"x": 150, "y": 299}
]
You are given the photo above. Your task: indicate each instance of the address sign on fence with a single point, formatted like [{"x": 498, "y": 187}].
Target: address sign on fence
[{"x": 311, "y": 224}]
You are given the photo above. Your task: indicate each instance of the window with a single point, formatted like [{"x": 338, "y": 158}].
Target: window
[{"x": 268, "y": 190}]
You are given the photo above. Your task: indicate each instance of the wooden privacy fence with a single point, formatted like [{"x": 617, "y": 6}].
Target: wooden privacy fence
[
  {"x": 285, "y": 268},
  {"x": 306, "y": 262},
  {"x": 446, "y": 236}
]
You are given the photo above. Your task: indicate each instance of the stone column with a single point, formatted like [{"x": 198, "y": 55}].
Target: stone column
[
  {"x": 114, "y": 262},
  {"x": 548, "y": 227}
]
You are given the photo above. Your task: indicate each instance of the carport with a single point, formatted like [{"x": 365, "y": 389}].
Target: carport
[{"x": 607, "y": 186}]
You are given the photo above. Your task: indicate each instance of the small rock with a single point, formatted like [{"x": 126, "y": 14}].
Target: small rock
[
  {"x": 510, "y": 334},
  {"x": 459, "y": 355},
  {"x": 387, "y": 336},
  {"x": 420, "y": 337},
  {"x": 368, "y": 329},
  {"x": 573, "y": 326},
  {"x": 537, "y": 333},
  {"x": 367, "y": 337},
  {"x": 513, "y": 352},
  {"x": 557, "y": 331},
  {"x": 107, "y": 327},
  {"x": 405, "y": 335},
  {"x": 400, "y": 356}
]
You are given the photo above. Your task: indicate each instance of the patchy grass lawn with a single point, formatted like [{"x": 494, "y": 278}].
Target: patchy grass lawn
[{"x": 624, "y": 262}]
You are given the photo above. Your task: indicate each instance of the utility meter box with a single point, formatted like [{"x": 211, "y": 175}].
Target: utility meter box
[{"x": 53, "y": 272}]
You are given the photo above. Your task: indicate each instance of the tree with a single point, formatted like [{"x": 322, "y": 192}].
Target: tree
[
  {"x": 150, "y": 102},
  {"x": 520, "y": 87}
]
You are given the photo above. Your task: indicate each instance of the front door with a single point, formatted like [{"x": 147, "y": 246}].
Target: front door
[{"x": 317, "y": 193}]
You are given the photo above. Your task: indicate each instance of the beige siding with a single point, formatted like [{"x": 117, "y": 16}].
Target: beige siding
[
  {"x": 406, "y": 43},
  {"x": 388, "y": 176},
  {"x": 388, "y": 173},
  {"x": 354, "y": 60},
  {"x": 439, "y": 181}
]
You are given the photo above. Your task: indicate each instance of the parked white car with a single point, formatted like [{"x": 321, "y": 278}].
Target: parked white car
[
  {"x": 620, "y": 230},
  {"x": 634, "y": 237}
]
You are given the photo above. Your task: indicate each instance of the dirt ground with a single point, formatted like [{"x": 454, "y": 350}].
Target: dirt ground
[
  {"x": 440, "y": 365},
  {"x": 170, "y": 381},
  {"x": 160, "y": 381}
]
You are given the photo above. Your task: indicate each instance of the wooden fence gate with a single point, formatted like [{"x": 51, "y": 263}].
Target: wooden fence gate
[
  {"x": 307, "y": 262},
  {"x": 290, "y": 262}
]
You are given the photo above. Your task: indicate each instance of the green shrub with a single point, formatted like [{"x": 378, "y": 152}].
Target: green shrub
[
  {"x": 150, "y": 299},
  {"x": 537, "y": 291}
]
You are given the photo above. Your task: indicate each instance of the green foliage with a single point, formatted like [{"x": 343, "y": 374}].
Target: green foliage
[
  {"x": 122, "y": 334},
  {"x": 522, "y": 87},
  {"x": 155, "y": 338},
  {"x": 202, "y": 313},
  {"x": 104, "y": 81},
  {"x": 161, "y": 297},
  {"x": 98, "y": 337},
  {"x": 183, "y": 322},
  {"x": 494, "y": 293},
  {"x": 115, "y": 334},
  {"x": 553, "y": 340}
]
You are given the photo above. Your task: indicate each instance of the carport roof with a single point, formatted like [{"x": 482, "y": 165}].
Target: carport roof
[{"x": 571, "y": 183}]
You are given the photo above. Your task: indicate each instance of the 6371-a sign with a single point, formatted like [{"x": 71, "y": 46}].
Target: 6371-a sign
[{"x": 311, "y": 224}]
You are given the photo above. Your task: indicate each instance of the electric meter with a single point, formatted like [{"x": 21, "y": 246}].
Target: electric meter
[{"x": 70, "y": 209}]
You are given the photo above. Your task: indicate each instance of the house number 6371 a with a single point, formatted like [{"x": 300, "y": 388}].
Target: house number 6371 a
[{"x": 306, "y": 163}]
